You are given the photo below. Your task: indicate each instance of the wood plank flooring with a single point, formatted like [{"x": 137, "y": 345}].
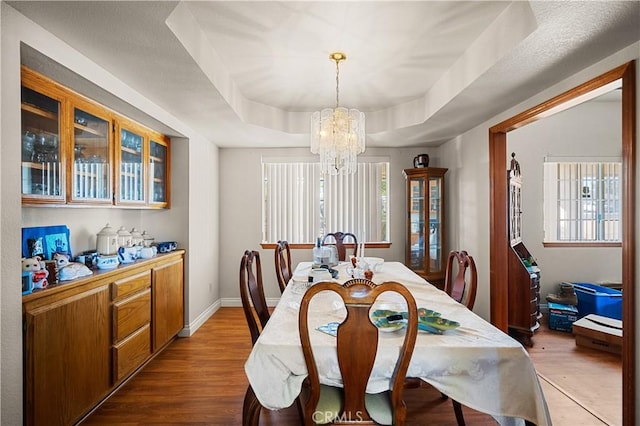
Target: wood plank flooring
[
  {"x": 573, "y": 376},
  {"x": 201, "y": 381}
]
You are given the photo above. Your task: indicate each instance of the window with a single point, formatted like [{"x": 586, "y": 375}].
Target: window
[
  {"x": 582, "y": 201},
  {"x": 300, "y": 204}
]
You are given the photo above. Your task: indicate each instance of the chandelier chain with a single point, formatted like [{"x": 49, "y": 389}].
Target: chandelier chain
[{"x": 337, "y": 83}]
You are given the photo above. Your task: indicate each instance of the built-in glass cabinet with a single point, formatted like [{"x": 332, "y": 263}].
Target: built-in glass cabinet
[
  {"x": 131, "y": 165},
  {"x": 76, "y": 151},
  {"x": 426, "y": 223},
  {"x": 42, "y": 157},
  {"x": 158, "y": 170},
  {"x": 92, "y": 163}
]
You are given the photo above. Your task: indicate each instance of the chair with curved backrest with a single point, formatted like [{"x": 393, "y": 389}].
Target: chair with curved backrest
[
  {"x": 284, "y": 272},
  {"x": 456, "y": 284},
  {"x": 254, "y": 303},
  {"x": 461, "y": 290},
  {"x": 357, "y": 344},
  {"x": 337, "y": 239}
]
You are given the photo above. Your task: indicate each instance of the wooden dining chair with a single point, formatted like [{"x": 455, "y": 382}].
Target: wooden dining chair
[
  {"x": 254, "y": 303},
  {"x": 357, "y": 344},
  {"x": 257, "y": 314},
  {"x": 461, "y": 282},
  {"x": 461, "y": 278},
  {"x": 284, "y": 271},
  {"x": 337, "y": 239}
]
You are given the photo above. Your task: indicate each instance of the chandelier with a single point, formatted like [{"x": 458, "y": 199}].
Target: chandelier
[{"x": 337, "y": 134}]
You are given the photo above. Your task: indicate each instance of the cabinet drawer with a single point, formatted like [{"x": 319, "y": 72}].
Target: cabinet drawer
[
  {"x": 126, "y": 286},
  {"x": 533, "y": 319},
  {"x": 534, "y": 293},
  {"x": 131, "y": 353},
  {"x": 130, "y": 314}
]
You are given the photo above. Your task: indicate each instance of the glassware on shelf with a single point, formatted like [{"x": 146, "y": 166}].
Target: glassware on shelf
[
  {"x": 41, "y": 167},
  {"x": 90, "y": 178}
]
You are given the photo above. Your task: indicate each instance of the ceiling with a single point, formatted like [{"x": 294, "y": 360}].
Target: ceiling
[{"x": 249, "y": 74}]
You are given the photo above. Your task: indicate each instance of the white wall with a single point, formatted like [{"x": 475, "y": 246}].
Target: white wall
[
  {"x": 467, "y": 192},
  {"x": 192, "y": 220},
  {"x": 467, "y": 158},
  {"x": 591, "y": 129},
  {"x": 240, "y": 194}
]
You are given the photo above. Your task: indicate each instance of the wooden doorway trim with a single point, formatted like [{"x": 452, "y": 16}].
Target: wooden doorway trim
[{"x": 499, "y": 242}]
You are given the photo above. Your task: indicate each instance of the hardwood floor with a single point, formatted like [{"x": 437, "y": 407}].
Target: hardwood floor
[
  {"x": 201, "y": 381},
  {"x": 581, "y": 385}
]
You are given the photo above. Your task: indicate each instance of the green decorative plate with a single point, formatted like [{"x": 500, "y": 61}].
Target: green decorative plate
[{"x": 428, "y": 320}]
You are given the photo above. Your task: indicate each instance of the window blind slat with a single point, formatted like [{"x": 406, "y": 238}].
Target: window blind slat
[{"x": 299, "y": 204}]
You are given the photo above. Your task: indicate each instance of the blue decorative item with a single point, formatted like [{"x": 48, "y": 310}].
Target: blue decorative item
[
  {"x": 167, "y": 246},
  {"x": 45, "y": 241}
]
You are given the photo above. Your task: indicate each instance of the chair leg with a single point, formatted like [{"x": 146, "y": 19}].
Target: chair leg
[
  {"x": 300, "y": 409},
  {"x": 457, "y": 408},
  {"x": 250, "y": 408}
]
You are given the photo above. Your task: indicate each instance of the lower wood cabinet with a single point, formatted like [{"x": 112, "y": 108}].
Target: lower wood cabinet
[
  {"x": 67, "y": 362},
  {"x": 83, "y": 338},
  {"x": 168, "y": 294}
]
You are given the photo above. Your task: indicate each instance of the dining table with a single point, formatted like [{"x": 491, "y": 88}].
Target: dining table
[{"x": 475, "y": 364}]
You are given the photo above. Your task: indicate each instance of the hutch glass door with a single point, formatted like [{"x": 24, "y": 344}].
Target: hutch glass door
[
  {"x": 131, "y": 166},
  {"x": 42, "y": 174},
  {"x": 158, "y": 171},
  {"x": 91, "y": 165},
  {"x": 435, "y": 224},
  {"x": 417, "y": 226}
]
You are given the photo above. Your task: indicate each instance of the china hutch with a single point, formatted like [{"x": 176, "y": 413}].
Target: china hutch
[
  {"x": 425, "y": 238},
  {"x": 524, "y": 273},
  {"x": 84, "y": 338},
  {"x": 78, "y": 152}
]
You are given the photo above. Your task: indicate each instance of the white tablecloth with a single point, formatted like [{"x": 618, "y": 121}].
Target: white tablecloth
[{"x": 475, "y": 364}]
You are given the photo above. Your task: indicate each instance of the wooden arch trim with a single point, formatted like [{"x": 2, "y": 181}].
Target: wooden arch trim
[{"x": 499, "y": 242}]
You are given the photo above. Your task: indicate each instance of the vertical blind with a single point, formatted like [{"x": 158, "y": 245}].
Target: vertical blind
[{"x": 299, "y": 203}]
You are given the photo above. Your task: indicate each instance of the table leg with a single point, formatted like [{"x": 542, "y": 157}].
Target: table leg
[{"x": 250, "y": 408}]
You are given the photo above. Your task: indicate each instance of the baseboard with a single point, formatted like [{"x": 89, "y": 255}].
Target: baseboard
[
  {"x": 192, "y": 327},
  {"x": 236, "y": 302}
]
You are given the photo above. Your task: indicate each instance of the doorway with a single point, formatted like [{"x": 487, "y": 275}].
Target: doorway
[{"x": 499, "y": 242}]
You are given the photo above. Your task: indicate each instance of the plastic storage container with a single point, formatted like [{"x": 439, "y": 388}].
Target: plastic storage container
[{"x": 599, "y": 300}]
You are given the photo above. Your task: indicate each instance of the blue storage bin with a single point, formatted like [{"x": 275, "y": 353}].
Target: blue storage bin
[{"x": 599, "y": 300}]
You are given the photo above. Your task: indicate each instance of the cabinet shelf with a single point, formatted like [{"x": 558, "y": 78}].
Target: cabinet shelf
[
  {"x": 156, "y": 159},
  {"x": 39, "y": 166},
  {"x": 130, "y": 151},
  {"x": 88, "y": 130},
  {"x": 39, "y": 111}
]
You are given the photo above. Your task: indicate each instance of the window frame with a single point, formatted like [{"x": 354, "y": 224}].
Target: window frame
[{"x": 553, "y": 223}]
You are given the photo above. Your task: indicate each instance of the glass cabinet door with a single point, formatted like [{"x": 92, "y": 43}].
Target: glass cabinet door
[
  {"x": 42, "y": 165},
  {"x": 158, "y": 171},
  {"x": 91, "y": 174},
  {"x": 417, "y": 222},
  {"x": 131, "y": 170},
  {"x": 435, "y": 224}
]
